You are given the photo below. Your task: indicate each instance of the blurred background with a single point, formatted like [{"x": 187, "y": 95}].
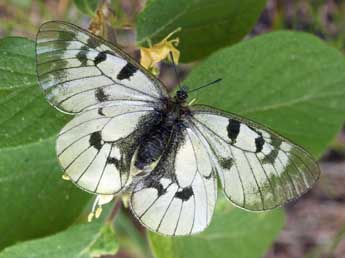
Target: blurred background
[{"x": 315, "y": 224}]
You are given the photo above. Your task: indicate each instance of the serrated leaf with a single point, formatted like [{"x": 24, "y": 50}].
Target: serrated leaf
[
  {"x": 206, "y": 25},
  {"x": 88, "y": 7},
  {"x": 233, "y": 233},
  {"x": 79, "y": 241},
  {"x": 35, "y": 200},
  {"x": 289, "y": 81}
]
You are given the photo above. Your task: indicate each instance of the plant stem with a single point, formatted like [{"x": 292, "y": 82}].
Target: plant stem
[{"x": 114, "y": 212}]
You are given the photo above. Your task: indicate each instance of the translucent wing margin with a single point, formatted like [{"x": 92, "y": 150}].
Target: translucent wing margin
[
  {"x": 178, "y": 197},
  {"x": 77, "y": 69},
  {"x": 96, "y": 147},
  {"x": 258, "y": 169}
]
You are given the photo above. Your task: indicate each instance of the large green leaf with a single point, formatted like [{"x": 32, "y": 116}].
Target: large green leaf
[
  {"x": 289, "y": 81},
  {"x": 25, "y": 114},
  {"x": 233, "y": 233},
  {"x": 206, "y": 25},
  {"x": 34, "y": 200},
  {"x": 79, "y": 241}
]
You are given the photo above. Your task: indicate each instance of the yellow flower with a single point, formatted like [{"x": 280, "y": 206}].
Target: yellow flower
[{"x": 152, "y": 55}]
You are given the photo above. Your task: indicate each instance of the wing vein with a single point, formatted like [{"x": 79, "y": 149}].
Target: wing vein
[
  {"x": 267, "y": 177},
  {"x": 165, "y": 212},
  {"x": 154, "y": 201},
  {"x": 191, "y": 229},
  {"x": 202, "y": 179},
  {"x": 88, "y": 166},
  {"x": 77, "y": 157},
  {"x": 76, "y": 79},
  {"x": 178, "y": 219},
  {"x": 125, "y": 86},
  {"x": 256, "y": 181},
  {"x": 105, "y": 164},
  {"x": 239, "y": 177}
]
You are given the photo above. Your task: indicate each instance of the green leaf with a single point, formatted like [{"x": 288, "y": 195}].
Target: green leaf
[
  {"x": 289, "y": 81},
  {"x": 79, "y": 241},
  {"x": 206, "y": 25},
  {"x": 88, "y": 7},
  {"x": 25, "y": 115},
  {"x": 233, "y": 233},
  {"x": 105, "y": 244},
  {"x": 35, "y": 200},
  {"x": 21, "y": 3}
]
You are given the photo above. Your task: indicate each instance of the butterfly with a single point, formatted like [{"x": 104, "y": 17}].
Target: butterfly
[{"x": 128, "y": 134}]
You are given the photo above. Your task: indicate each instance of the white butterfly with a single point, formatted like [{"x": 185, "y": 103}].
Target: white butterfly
[{"x": 128, "y": 133}]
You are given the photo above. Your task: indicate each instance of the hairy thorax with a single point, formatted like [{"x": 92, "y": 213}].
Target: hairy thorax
[{"x": 168, "y": 123}]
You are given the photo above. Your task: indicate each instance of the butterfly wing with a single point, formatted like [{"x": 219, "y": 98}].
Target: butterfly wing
[
  {"x": 114, "y": 99},
  {"x": 179, "y": 195},
  {"x": 77, "y": 69},
  {"x": 96, "y": 147},
  {"x": 258, "y": 168}
]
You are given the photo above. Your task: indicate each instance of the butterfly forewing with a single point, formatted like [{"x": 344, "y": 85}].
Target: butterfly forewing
[
  {"x": 114, "y": 96},
  {"x": 258, "y": 169},
  {"x": 77, "y": 70}
]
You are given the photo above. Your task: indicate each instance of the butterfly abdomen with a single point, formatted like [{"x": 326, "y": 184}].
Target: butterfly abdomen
[
  {"x": 156, "y": 140},
  {"x": 153, "y": 145}
]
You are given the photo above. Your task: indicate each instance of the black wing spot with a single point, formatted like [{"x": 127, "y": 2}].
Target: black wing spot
[
  {"x": 114, "y": 161},
  {"x": 100, "y": 95},
  {"x": 100, "y": 112},
  {"x": 101, "y": 57},
  {"x": 158, "y": 186},
  {"x": 271, "y": 157},
  {"x": 233, "y": 129},
  {"x": 226, "y": 162},
  {"x": 84, "y": 48},
  {"x": 209, "y": 176},
  {"x": 127, "y": 71},
  {"x": 93, "y": 43},
  {"x": 185, "y": 194},
  {"x": 82, "y": 57},
  {"x": 96, "y": 140},
  {"x": 259, "y": 143}
]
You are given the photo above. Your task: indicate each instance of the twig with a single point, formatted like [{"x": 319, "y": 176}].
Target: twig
[{"x": 114, "y": 212}]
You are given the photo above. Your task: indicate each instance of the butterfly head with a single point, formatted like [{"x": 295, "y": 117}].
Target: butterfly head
[{"x": 182, "y": 94}]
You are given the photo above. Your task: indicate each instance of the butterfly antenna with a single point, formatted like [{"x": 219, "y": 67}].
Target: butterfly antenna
[
  {"x": 177, "y": 78},
  {"x": 206, "y": 85}
]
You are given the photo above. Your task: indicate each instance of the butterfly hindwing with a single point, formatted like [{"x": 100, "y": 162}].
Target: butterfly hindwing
[
  {"x": 258, "y": 169},
  {"x": 77, "y": 69},
  {"x": 95, "y": 148},
  {"x": 179, "y": 195}
]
